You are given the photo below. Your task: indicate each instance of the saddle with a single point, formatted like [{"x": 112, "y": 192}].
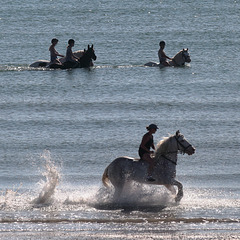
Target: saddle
[{"x": 134, "y": 159}]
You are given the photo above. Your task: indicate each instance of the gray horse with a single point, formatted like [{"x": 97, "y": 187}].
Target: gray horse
[
  {"x": 125, "y": 169},
  {"x": 177, "y": 61}
]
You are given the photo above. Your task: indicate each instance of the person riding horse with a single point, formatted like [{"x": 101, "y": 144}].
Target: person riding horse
[
  {"x": 178, "y": 60},
  {"x": 123, "y": 170},
  {"x": 162, "y": 56},
  {"x": 144, "y": 149},
  {"x": 71, "y": 59},
  {"x": 53, "y": 53}
]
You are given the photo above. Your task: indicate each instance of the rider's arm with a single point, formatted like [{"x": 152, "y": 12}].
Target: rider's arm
[
  {"x": 144, "y": 141},
  {"x": 164, "y": 55},
  {"x": 153, "y": 147},
  {"x": 58, "y": 54},
  {"x": 74, "y": 56}
]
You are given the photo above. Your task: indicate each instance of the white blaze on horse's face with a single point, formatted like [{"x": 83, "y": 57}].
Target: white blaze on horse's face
[{"x": 184, "y": 145}]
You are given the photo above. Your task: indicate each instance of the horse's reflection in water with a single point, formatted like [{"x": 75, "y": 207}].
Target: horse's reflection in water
[{"x": 125, "y": 169}]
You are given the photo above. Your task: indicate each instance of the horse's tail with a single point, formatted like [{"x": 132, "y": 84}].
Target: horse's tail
[{"x": 105, "y": 178}]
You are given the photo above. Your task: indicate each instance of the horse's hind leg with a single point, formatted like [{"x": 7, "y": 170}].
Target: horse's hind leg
[
  {"x": 118, "y": 186},
  {"x": 118, "y": 190}
]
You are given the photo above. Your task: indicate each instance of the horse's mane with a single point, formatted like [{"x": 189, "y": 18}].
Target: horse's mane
[
  {"x": 164, "y": 146},
  {"x": 178, "y": 58},
  {"x": 79, "y": 53},
  {"x": 177, "y": 54}
]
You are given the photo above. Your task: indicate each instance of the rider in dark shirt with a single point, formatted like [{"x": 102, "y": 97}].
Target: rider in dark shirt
[{"x": 144, "y": 149}]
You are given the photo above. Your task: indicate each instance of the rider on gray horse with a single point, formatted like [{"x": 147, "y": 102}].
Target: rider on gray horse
[{"x": 144, "y": 149}]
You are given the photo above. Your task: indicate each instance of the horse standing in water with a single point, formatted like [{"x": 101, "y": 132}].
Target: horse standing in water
[
  {"x": 177, "y": 61},
  {"x": 85, "y": 60},
  {"x": 125, "y": 169}
]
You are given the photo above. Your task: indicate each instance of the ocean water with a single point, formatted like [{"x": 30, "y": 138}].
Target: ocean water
[{"x": 60, "y": 129}]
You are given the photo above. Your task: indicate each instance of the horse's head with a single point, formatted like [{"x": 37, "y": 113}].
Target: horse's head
[
  {"x": 186, "y": 55},
  {"x": 181, "y": 57},
  {"x": 90, "y": 52},
  {"x": 183, "y": 145},
  {"x": 87, "y": 57}
]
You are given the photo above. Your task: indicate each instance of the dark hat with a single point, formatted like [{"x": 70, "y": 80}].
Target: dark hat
[{"x": 152, "y": 126}]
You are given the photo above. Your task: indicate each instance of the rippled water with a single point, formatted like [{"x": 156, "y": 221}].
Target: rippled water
[{"x": 60, "y": 129}]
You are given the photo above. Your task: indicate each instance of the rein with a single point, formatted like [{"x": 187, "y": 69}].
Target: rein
[
  {"x": 184, "y": 148},
  {"x": 184, "y": 151},
  {"x": 170, "y": 160}
]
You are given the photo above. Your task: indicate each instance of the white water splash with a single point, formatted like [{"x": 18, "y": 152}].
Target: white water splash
[
  {"x": 52, "y": 177},
  {"x": 8, "y": 198},
  {"x": 135, "y": 197}
]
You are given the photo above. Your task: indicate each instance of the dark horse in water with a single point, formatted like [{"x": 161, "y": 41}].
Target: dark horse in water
[{"x": 85, "y": 60}]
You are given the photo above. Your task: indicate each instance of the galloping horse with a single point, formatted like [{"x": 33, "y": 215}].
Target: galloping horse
[
  {"x": 177, "y": 61},
  {"x": 85, "y": 60},
  {"x": 125, "y": 169}
]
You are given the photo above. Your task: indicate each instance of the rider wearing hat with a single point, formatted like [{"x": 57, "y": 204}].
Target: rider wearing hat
[{"x": 144, "y": 149}]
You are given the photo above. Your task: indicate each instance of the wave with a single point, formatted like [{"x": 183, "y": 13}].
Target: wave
[
  {"x": 141, "y": 204},
  {"x": 18, "y": 68},
  {"x": 123, "y": 220},
  {"x": 25, "y": 67}
]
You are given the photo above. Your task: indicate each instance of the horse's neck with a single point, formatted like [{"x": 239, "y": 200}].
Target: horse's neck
[
  {"x": 167, "y": 150},
  {"x": 168, "y": 156},
  {"x": 79, "y": 53},
  {"x": 85, "y": 58},
  {"x": 177, "y": 59}
]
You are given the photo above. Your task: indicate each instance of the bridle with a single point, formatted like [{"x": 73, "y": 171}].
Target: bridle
[
  {"x": 185, "y": 56},
  {"x": 179, "y": 143},
  {"x": 178, "y": 149}
]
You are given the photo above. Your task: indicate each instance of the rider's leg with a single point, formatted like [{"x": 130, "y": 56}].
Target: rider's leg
[
  {"x": 166, "y": 64},
  {"x": 148, "y": 159}
]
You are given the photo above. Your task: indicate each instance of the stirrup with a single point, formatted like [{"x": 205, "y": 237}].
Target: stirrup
[{"x": 150, "y": 179}]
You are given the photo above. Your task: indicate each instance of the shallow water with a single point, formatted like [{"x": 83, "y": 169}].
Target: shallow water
[{"x": 60, "y": 129}]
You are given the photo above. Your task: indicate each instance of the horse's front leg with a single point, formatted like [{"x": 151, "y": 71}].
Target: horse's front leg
[
  {"x": 117, "y": 193},
  {"x": 171, "y": 188},
  {"x": 180, "y": 191}
]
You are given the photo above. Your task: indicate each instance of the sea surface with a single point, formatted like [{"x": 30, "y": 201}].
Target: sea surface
[{"x": 59, "y": 129}]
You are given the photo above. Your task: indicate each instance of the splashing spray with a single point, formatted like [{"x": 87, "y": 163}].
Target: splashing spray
[{"x": 52, "y": 176}]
